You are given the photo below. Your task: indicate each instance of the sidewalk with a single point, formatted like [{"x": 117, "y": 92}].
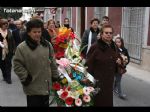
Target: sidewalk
[{"x": 138, "y": 73}]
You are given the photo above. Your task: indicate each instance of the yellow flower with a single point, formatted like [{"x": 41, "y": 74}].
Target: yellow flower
[
  {"x": 64, "y": 31},
  {"x": 64, "y": 81},
  {"x": 80, "y": 91},
  {"x": 63, "y": 45}
]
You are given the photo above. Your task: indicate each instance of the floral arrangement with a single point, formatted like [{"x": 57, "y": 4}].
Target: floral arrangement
[
  {"x": 124, "y": 58},
  {"x": 62, "y": 39},
  {"x": 75, "y": 87}
]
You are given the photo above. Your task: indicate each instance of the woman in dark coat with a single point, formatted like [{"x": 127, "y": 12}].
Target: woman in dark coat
[
  {"x": 6, "y": 50},
  {"x": 102, "y": 60}
]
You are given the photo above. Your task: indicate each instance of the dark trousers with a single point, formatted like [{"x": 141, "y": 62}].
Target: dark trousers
[
  {"x": 117, "y": 83},
  {"x": 38, "y": 101},
  {"x": 6, "y": 66}
]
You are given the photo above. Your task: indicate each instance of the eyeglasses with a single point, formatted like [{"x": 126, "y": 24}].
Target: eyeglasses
[{"x": 109, "y": 33}]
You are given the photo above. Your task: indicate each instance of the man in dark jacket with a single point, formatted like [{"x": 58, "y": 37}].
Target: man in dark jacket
[
  {"x": 11, "y": 26},
  {"x": 18, "y": 33},
  {"x": 89, "y": 37}
]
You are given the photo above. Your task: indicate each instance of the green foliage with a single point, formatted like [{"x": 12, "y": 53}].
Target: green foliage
[{"x": 83, "y": 48}]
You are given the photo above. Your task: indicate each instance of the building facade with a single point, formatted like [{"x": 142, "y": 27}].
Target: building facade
[{"x": 132, "y": 23}]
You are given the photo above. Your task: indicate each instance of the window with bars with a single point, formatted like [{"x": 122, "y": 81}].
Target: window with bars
[
  {"x": 132, "y": 31},
  {"x": 99, "y": 12}
]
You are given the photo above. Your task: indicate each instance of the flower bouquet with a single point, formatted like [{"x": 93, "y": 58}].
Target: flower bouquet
[
  {"x": 62, "y": 39},
  {"x": 75, "y": 86},
  {"x": 124, "y": 58}
]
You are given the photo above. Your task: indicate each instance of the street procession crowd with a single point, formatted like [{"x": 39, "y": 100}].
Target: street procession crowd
[{"x": 50, "y": 60}]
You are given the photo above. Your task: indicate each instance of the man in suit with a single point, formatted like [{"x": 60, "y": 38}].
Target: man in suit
[
  {"x": 18, "y": 33},
  {"x": 66, "y": 24},
  {"x": 11, "y": 25}
]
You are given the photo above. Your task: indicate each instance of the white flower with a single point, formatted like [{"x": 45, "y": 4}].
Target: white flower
[
  {"x": 60, "y": 92},
  {"x": 74, "y": 94},
  {"x": 68, "y": 105},
  {"x": 91, "y": 89},
  {"x": 78, "y": 102},
  {"x": 86, "y": 91},
  {"x": 63, "y": 62},
  {"x": 86, "y": 98}
]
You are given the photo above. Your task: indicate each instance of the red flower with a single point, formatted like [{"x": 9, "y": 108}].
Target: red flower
[
  {"x": 59, "y": 55},
  {"x": 69, "y": 100},
  {"x": 64, "y": 88},
  {"x": 64, "y": 95},
  {"x": 61, "y": 39},
  {"x": 69, "y": 88},
  {"x": 70, "y": 75},
  {"x": 72, "y": 35},
  {"x": 56, "y": 86}
]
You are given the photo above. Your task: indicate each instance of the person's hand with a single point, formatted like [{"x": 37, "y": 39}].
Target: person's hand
[
  {"x": 54, "y": 33},
  {"x": 53, "y": 40},
  {"x": 118, "y": 61}
]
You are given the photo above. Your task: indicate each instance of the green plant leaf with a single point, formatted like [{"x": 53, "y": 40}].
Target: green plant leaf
[{"x": 83, "y": 48}]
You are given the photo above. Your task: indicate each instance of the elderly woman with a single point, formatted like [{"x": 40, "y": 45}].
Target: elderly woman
[
  {"x": 6, "y": 50},
  {"x": 35, "y": 65},
  {"x": 102, "y": 60}
]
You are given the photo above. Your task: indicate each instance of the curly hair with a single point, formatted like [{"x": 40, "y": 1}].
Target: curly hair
[
  {"x": 95, "y": 19},
  {"x": 34, "y": 23}
]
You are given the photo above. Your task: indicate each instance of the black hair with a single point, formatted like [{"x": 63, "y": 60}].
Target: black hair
[
  {"x": 106, "y": 17},
  {"x": 66, "y": 19},
  {"x": 95, "y": 19},
  {"x": 34, "y": 23}
]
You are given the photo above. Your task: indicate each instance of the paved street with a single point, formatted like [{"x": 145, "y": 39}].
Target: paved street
[
  {"x": 11, "y": 94},
  {"x": 137, "y": 91}
]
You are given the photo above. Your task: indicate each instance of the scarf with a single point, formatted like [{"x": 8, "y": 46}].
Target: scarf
[
  {"x": 89, "y": 41},
  {"x": 33, "y": 44},
  {"x": 90, "y": 37},
  {"x": 5, "y": 48}
]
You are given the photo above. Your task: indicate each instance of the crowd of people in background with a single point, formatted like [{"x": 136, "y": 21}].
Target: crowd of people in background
[{"x": 29, "y": 41}]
